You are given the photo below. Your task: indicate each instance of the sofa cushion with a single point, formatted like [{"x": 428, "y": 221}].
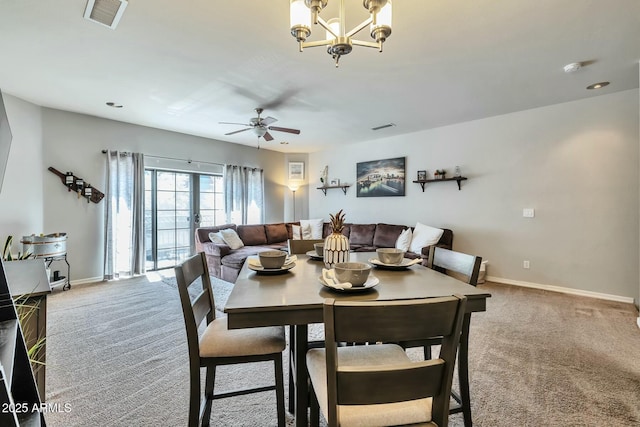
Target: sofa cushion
[
  {"x": 203, "y": 233},
  {"x": 423, "y": 235},
  {"x": 386, "y": 235},
  {"x": 231, "y": 238},
  {"x": 289, "y": 226},
  {"x": 236, "y": 258},
  {"x": 404, "y": 240},
  {"x": 276, "y": 232},
  {"x": 252, "y": 235},
  {"x": 362, "y": 234},
  {"x": 311, "y": 228},
  {"x": 326, "y": 229},
  {"x": 217, "y": 238}
]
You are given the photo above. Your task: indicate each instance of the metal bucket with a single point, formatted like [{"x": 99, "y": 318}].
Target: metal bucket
[{"x": 50, "y": 245}]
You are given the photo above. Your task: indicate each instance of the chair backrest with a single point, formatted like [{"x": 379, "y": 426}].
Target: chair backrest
[
  {"x": 196, "y": 309},
  {"x": 302, "y": 246},
  {"x": 457, "y": 262},
  {"x": 392, "y": 321}
]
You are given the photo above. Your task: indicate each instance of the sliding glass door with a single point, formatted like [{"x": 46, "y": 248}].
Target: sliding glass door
[{"x": 176, "y": 203}]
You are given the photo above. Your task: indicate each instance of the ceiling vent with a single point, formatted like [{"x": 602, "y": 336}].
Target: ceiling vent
[
  {"x": 105, "y": 12},
  {"x": 384, "y": 126}
]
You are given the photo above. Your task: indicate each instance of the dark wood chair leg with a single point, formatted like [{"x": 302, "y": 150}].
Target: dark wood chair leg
[
  {"x": 210, "y": 379},
  {"x": 463, "y": 371},
  {"x": 292, "y": 384},
  {"x": 427, "y": 352},
  {"x": 301, "y": 375},
  {"x": 279, "y": 389},
  {"x": 194, "y": 396},
  {"x": 315, "y": 408}
]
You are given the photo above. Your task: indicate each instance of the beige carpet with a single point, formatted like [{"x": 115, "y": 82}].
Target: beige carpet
[{"x": 116, "y": 354}]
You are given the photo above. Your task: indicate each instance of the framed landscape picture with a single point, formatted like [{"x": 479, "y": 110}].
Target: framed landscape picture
[{"x": 380, "y": 178}]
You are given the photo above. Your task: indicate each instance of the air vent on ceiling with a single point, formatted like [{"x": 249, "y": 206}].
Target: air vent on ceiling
[
  {"x": 384, "y": 126},
  {"x": 105, "y": 12}
]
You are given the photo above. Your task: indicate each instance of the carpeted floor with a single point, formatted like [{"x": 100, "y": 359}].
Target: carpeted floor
[{"x": 116, "y": 353}]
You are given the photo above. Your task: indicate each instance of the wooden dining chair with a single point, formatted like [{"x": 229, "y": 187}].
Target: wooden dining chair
[
  {"x": 220, "y": 345},
  {"x": 378, "y": 384},
  {"x": 464, "y": 267},
  {"x": 302, "y": 246},
  {"x": 454, "y": 262}
]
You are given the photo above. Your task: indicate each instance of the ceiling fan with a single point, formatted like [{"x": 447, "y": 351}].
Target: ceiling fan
[{"x": 261, "y": 126}]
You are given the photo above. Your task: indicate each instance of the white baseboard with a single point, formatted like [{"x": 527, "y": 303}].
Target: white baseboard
[
  {"x": 561, "y": 289},
  {"x": 88, "y": 280}
]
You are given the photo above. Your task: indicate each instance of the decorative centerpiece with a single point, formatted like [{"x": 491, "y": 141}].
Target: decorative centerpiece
[{"x": 336, "y": 245}]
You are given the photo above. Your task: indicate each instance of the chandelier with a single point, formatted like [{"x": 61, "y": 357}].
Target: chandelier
[{"x": 338, "y": 41}]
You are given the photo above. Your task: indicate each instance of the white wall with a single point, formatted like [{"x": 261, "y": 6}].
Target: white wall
[
  {"x": 21, "y": 198},
  {"x": 73, "y": 142},
  {"x": 575, "y": 163}
]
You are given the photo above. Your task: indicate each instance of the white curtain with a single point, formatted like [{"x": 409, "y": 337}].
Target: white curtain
[
  {"x": 244, "y": 194},
  {"x": 124, "y": 215}
]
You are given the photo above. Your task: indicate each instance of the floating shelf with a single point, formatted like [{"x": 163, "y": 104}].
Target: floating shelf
[
  {"x": 458, "y": 179},
  {"x": 329, "y": 187}
]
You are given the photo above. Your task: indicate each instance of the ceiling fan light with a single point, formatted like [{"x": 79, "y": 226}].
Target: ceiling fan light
[{"x": 260, "y": 131}]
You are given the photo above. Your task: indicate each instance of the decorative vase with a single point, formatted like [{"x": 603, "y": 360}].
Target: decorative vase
[
  {"x": 336, "y": 249},
  {"x": 336, "y": 245}
]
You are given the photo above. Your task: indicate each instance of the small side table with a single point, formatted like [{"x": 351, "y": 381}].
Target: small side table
[{"x": 66, "y": 281}]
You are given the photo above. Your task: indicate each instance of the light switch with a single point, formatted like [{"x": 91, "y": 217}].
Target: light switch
[{"x": 528, "y": 212}]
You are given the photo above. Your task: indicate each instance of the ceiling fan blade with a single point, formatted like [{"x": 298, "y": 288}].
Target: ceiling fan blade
[
  {"x": 268, "y": 120},
  {"x": 267, "y": 137},
  {"x": 237, "y": 131},
  {"x": 288, "y": 130},
  {"x": 231, "y": 123},
  {"x": 282, "y": 99}
]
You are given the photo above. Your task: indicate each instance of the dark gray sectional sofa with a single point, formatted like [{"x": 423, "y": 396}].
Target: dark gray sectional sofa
[{"x": 225, "y": 263}]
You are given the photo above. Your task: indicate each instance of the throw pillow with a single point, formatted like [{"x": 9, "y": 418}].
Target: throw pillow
[
  {"x": 296, "y": 233},
  {"x": 404, "y": 240},
  {"x": 231, "y": 238},
  {"x": 307, "y": 233},
  {"x": 423, "y": 235},
  {"x": 216, "y": 238},
  {"x": 316, "y": 227}
]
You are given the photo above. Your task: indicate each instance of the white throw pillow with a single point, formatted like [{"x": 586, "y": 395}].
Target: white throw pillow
[
  {"x": 316, "y": 228},
  {"x": 404, "y": 240},
  {"x": 307, "y": 234},
  {"x": 231, "y": 238},
  {"x": 296, "y": 234},
  {"x": 423, "y": 235},
  {"x": 216, "y": 238}
]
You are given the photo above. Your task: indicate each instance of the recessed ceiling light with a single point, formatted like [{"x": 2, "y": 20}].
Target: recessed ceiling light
[
  {"x": 114, "y": 105},
  {"x": 598, "y": 85}
]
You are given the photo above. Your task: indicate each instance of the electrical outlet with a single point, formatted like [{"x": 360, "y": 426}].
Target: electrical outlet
[
  {"x": 528, "y": 212},
  {"x": 525, "y": 263}
]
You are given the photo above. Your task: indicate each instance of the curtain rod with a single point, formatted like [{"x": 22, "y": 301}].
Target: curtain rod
[{"x": 171, "y": 158}]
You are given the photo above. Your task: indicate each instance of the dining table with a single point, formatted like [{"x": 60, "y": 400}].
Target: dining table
[{"x": 294, "y": 297}]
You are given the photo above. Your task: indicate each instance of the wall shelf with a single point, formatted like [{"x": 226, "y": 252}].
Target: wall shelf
[
  {"x": 85, "y": 190},
  {"x": 329, "y": 187},
  {"x": 458, "y": 179}
]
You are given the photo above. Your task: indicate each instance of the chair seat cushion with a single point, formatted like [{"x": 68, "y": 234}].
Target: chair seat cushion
[
  {"x": 398, "y": 413},
  {"x": 220, "y": 341}
]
